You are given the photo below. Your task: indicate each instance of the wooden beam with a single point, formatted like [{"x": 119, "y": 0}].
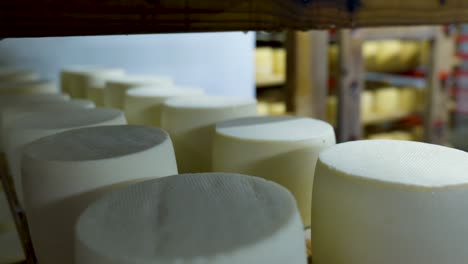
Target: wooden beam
[
  {"x": 307, "y": 73},
  {"x": 36, "y": 18},
  {"x": 350, "y": 85}
]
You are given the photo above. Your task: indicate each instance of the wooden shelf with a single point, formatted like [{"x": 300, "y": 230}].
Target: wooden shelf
[
  {"x": 35, "y": 18},
  {"x": 269, "y": 81}
]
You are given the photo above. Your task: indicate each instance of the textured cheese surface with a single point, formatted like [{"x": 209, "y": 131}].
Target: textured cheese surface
[
  {"x": 388, "y": 201},
  {"x": 65, "y": 172},
  {"x": 387, "y": 100},
  {"x": 193, "y": 218},
  {"x": 33, "y": 126},
  {"x": 419, "y": 164},
  {"x": 282, "y": 149},
  {"x": 114, "y": 92},
  {"x": 16, "y": 111},
  {"x": 143, "y": 105},
  {"x": 190, "y": 122}
]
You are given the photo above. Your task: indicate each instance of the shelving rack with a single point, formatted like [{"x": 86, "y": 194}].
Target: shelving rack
[{"x": 41, "y": 18}]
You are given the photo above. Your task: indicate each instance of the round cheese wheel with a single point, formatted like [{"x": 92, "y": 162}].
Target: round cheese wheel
[
  {"x": 65, "y": 172},
  {"x": 97, "y": 83},
  {"x": 11, "y": 250},
  {"x": 76, "y": 80},
  {"x": 143, "y": 105},
  {"x": 10, "y": 113},
  {"x": 387, "y": 101},
  {"x": 281, "y": 149},
  {"x": 367, "y": 105},
  {"x": 10, "y": 74},
  {"x": 193, "y": 218},
  {"x": 33, "y": 126},
  {"x": 408, "y": 99},
  {"x": 190, "y": 122},
  {"x": 28, "y": 87},
  {"x": 68, "y": 78},
  {"x": 389, "y": 201},
  {"x": 114, "y": 92},
  {"x": 264, "y": 61}
]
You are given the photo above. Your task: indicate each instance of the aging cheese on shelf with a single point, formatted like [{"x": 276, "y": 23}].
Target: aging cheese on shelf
[
  {"x": 28, "y": 87},
  {"x": 389, "y": 201},
  {"x": 11, "y": 74},
  {"x": 76, "y": 80},
  {"x": 193, "y": 218},
  {"x": 143, "y": 105},
  {"x": 63, "y": 173},
  {"x": 114, "y": 92},
  {"x": 387, "y": 101},
  {"x": 33, "y": 126},
  {"x": 408, "y": 99},
  {"x": 190, "y": 122},
  {"x": 281, "y": 149},
  {"x": 9, "y": 101}
]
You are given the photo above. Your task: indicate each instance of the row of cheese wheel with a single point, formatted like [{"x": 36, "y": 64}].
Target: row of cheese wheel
[
  {"x": 100, "y": 194},
  {"x": 382, "y": 103}
]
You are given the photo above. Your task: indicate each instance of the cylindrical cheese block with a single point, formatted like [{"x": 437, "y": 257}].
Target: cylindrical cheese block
[
  {"x": 28, "y": 87},
  {"x": 63, "y": 173},
  {"x": 389, "y": 201},
  {"x": 367, "y": 105},
  {"x": 75, "y": 79},
  {"x": 10, "y": 113},
  {"x": 97, "y": 84},
  {"x": 264, "y": 61},
  {"x": 279, "y": 62},
  {"x": 281, "y": 149},
  {"x": 93, "y": 80},
  {"x": 10, "y": 74},
  {"x": 114, "y": 93},
  {"x": 190, "y": 122},
  {"x": 387, "y": 101},
  {"x": 408, "y": 99},
  {"x": 33, "y": 126},
  {"x": 143, "y": 105},
  {"x": 193, "y": 218}
]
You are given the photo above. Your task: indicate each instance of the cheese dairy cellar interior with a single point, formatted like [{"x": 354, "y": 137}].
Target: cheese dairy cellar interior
[{"x": 256, "y": 132}]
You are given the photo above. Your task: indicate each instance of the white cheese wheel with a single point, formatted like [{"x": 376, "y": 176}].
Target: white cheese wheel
[
  {"x": 16, "y": 111},
  {"x": 193, "y": 218},
  {"x": 143, "y": 105},
  {"x": 389, "y": 201},
  {"x": 114, "y": 93},
  {"x": 11, "y": 74},
  {"x": 66, "y": 76},
  {"x": 281, "y": 149},
  {"x": 28, "y": 87},
  {"x": 90, "y": 80},
  {"x": 190, "y": 122},
  {"x": 11, "y": 250},
  {"x": 387, "y": 101},
  {"x": 9, "y": 101},
  {"x": 33, "y": 126},
  {"x": 65, "y": 172}
]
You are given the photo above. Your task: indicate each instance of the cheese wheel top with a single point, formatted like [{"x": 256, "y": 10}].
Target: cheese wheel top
[
  {"x": 207, "y": 102},
  {"x": 185, "y": 217},
  {"x": 96, "y": 143},
  {"x": 66, "y": 119},
  {"x": 140, "y": 80},
  {"x": 275, "y": 128},
  {"x": 157, "y": 91},
  {"x": 400, "y": 162},
  {"x": 8, "y": 100}
]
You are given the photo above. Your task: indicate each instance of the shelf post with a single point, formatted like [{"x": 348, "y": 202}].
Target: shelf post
[{"x": 350, "y": 85}]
